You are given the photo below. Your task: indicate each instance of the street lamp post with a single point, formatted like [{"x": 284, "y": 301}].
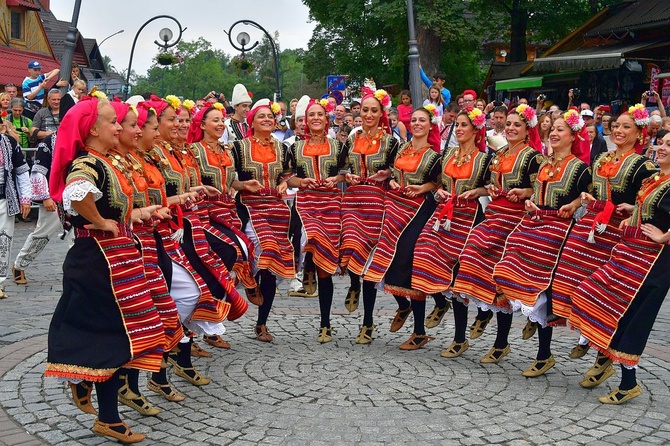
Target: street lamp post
[
  {"x": 243, "y": 39},
  {"x": 70, "y": 42},
  {"x": 414, "y": 74},
  {"x": 165, "y": 34}
]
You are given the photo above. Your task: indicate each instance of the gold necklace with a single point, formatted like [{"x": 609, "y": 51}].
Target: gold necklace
[
  {"x": 554, "y": 165},
  {"x": 613, "y": 157},
  {"x": 264, "y": 141},
  {"x": 464, "y": 159}
]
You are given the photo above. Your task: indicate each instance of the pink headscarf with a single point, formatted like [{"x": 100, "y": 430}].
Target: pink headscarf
[
  {"x": 72, "y": 134},
  {"x": 195, "y": 133},
  {"x": 157, "y": 104},
  {"x": 142, "y": 113},
  {"x": 121, "y": 109}
]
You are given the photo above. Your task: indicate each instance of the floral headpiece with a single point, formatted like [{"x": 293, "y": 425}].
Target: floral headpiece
[
  {"x": 381, "y": 95},
  {"x": 640, "y": 114},
  {"x": 328, "y": 106},
  {"x": 434, "y": 113},
  {"x": 527, "y": 114},
  {"x": 219, "y": 106},
  {"x": 574, "y": 120},
  {"x": 134, "y": 109},
  {"x": 98, "y": 94},
  {"x": 173, "y": 101},
  {"x": 189, "y": 105},
  {"x": 476, "y": 116},
  {"x": 276, "y": 108}
]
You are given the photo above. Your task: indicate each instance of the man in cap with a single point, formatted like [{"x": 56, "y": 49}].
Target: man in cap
[
  {"x": 236, "y": 125},
  {"x": 33, "y": 87}
]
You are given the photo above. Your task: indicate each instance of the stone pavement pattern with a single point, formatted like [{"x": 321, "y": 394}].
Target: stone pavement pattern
[{"x": 296, "y": 391}]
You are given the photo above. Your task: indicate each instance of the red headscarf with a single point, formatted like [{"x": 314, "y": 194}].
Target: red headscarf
[
  {"x": 581, "y": 145},
  {"x": 313, "y": 102},
  {"x": 72, "y": 134}
]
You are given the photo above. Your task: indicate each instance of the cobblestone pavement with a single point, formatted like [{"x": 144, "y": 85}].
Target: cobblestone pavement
[{"x": 296, "y": 391}]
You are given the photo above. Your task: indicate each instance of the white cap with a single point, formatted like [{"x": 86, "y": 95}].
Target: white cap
[
  {"x": 240, "y": 95},
  {"x": 260, "y": 103},
  {"x": 588, "y": 113},
  {"x": 134, "y": 100},
  {"x": 301, "y": 107}
]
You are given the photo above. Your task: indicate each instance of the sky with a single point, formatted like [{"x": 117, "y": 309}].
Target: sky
[{"x": 101, "y": 18}]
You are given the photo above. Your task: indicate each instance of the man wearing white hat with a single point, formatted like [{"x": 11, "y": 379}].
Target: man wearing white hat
[
  {"x": 299, "y": 115},
  {"x": 236, "y": 125}
]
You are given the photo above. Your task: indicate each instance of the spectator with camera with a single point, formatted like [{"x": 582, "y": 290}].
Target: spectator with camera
[{"x": 647, "y": 95}]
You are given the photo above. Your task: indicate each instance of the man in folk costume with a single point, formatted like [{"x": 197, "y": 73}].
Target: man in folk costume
[
  {"x": 14, "y": 198},
  {"x": 236, "y": 125},
  {"x": 48, "y": 222}
]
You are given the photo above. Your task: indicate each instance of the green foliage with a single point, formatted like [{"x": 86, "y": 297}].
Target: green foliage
[
  {"x": 205, "y": 69},
  {"x": 374, "y": 42}
]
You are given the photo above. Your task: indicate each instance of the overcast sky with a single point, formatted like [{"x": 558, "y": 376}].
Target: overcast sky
[{"x": 98, "y": 19}]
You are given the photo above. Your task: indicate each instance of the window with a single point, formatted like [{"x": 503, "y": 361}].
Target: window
[{"x": 17, "y": 25}]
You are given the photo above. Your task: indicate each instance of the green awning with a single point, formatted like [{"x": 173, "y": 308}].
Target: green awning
[{"x": 520, "y": 83}]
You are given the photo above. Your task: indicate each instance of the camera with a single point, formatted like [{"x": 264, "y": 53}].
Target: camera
[
  {"x": 283, "y": 122},
  {"x": 497, "y": 103},
  {"x": 650, "y": 93},
  {"x": 575, "y": 92},
  {"x": 541, "y": 97}
]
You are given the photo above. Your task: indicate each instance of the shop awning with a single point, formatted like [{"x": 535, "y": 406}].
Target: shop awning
[
  {"x": 520, "y": 83},
  {"x": 595, "y": 58}
]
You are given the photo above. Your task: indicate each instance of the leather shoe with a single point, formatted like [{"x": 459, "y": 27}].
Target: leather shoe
[
  {"x": 365, "y": 336},
  {"x": 196, "y": 350},
  {"x": 83, "y": 402},
  {"x": 495, "y": 355},
  {"x": 539, "y": 367},
  {"x": 578, "y": 351},
  {"x": 528, "y": 330},
  {"x": 594, "y": 381},
  {"x": 478, "y": 326},
  {"x": 216, "y": 341},
  {"x": 352, "y": 299},
  {"x": 254, "y": 296},
  {"x": 121, "y": 433},
  {"x": 435, "y": 317},
  {"x": 399, "y": 319},
  {"x": 309, "y": 282},
  {"x": 167, "y": 391},
  {"x": 621, "y": 396},
  {"x": 415, "y": 342},
  {"x": 598, "y": 368},
  {"x": 262, "y": 333},
  {"x": 19, "y": 276},
  {"x": 325, "y": 335},
  {"x": 455, "y": 349}
]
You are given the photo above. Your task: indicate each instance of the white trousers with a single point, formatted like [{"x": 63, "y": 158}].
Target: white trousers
[
  {"x": 6, "y": 236},
  {"x": 48, "y": 226}
]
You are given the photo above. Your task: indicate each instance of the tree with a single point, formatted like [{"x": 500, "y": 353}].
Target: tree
[
  {"x": 375, "y": 44},
  {"x": 544, "y": 22}
]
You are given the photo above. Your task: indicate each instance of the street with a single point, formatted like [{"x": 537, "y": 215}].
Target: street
[{"x": 295, "y": 391}]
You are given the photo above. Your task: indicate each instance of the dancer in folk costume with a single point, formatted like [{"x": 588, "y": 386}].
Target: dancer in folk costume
[
  {"x": 615, "y": 307},
  {"x": 513, "y": 171},
  {"x": 408, "y": 205},
  {"x": 106, "y": 298},
  {"x": 525, "y": 272},
  {"x": 617, "y": 177},
  {"x": 369, "y": 153},
  {"x": 261, "y": 176},
  {"x": 464, "y": 174},
  {"x": 316, "y": 162}
]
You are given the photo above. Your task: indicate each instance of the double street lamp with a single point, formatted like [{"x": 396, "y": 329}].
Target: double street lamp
[
  {"x": 244, "y": 39},
  {"x": 165, "y": 35}
]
